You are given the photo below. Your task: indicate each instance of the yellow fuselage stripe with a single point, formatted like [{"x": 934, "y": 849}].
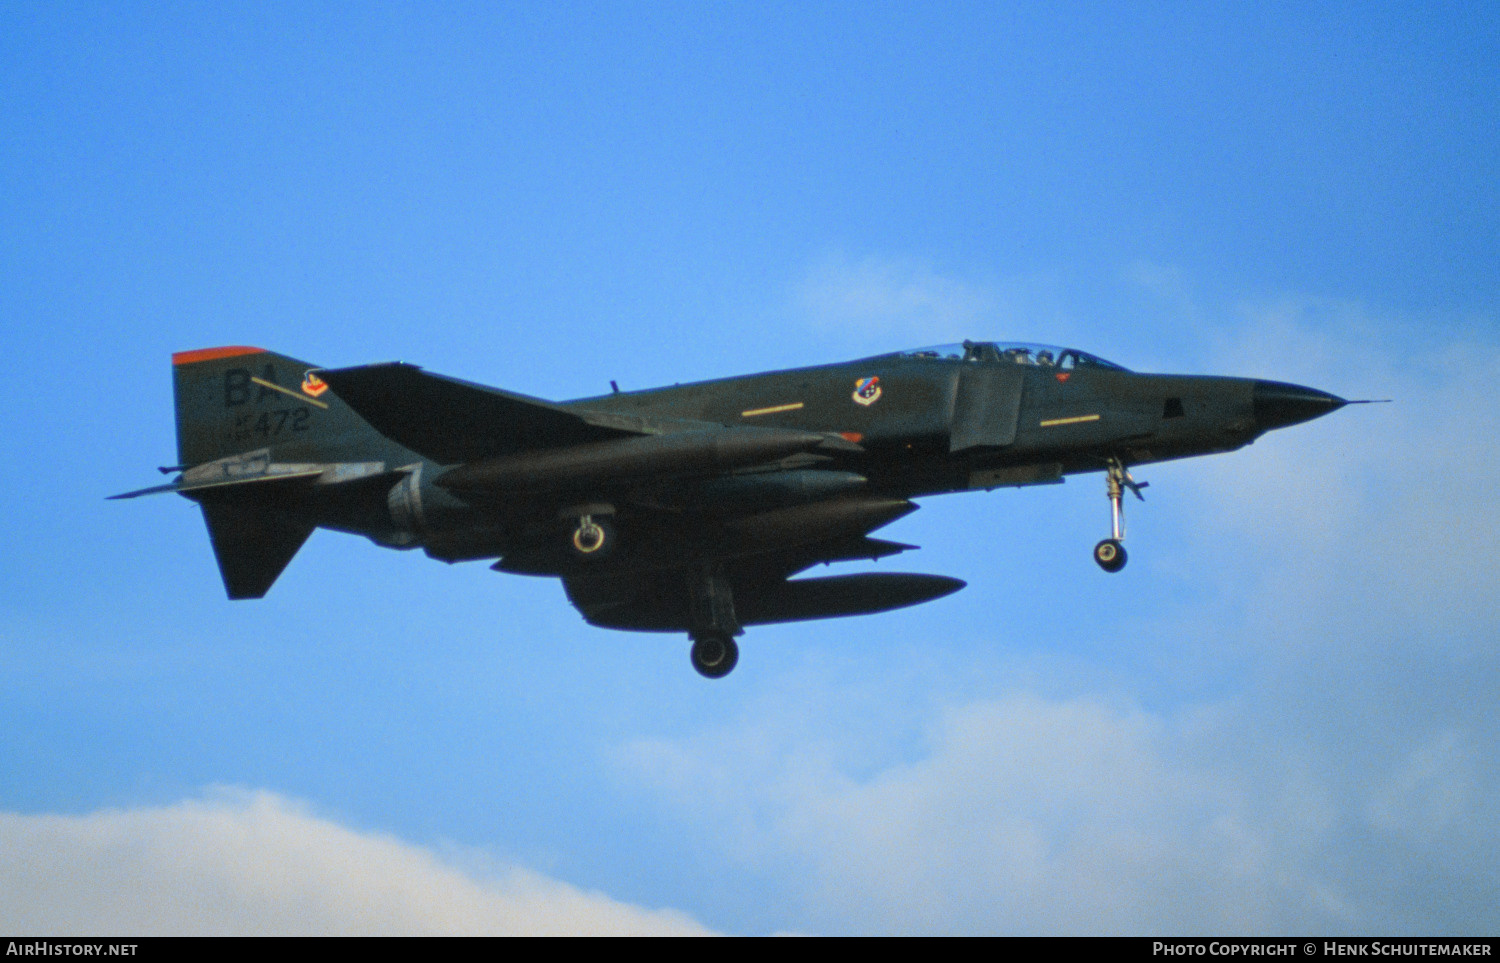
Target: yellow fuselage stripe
[
  {"x": 771, "y": 411},
  {"x": 287, "y": 391},
  {"x": 1054, "y": 422}
]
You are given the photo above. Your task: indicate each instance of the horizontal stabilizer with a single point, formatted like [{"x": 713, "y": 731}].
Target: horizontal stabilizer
[
  {"x": 181, "y": 486},
  {"x": 153, "y": 490},
  {"x": 256, "y": 469},
  {"x": 451, "y": 421}
]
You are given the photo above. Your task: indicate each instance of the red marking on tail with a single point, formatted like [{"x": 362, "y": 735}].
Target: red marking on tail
[{"x": 211, "y": 354}]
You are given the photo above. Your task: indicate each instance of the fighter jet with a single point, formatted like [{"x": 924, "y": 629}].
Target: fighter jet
[{"x": 682, "y": 509}]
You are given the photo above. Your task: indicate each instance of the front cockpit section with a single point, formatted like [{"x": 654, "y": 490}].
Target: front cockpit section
[{"x": 1012, "y": 352}]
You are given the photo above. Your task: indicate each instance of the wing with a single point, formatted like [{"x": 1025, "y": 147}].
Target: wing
[{"x": 451, "y": 421}]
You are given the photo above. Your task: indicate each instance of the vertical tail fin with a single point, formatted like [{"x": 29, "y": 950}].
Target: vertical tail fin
[
  {"x": 238, "y": 399},
  {"x": 235, "y": 400}
]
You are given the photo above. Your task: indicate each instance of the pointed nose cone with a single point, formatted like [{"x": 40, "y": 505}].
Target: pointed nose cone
[{"x": 1278, "y": 404}]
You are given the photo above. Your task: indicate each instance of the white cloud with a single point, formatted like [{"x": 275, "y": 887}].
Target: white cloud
[
  {"x": 1026, "y": 815},
  {"x": 258, "y": 864},
  {"x": 1380, "y": 519},
  {"x": 883, "y": 295},
  {"x": 1431, "y": 790},
  {"x": 886, "y": 303}
]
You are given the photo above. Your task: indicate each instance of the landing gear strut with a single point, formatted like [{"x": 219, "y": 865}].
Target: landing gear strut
[
  {"x": 1110, "y": 553},
  {"x": 713, "y": 622}
]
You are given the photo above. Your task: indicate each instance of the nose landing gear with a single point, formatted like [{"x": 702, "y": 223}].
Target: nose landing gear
[{"x": 1110, "y": 553}]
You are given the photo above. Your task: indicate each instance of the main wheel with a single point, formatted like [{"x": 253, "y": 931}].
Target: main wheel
[
  {"x": 714, "y": 656},
  {"x": 594, "y": 537},
  {"x": 1110, "y": 555}
]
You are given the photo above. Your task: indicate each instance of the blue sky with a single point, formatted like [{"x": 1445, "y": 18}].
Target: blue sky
[{"x": 1280, "y": 718}]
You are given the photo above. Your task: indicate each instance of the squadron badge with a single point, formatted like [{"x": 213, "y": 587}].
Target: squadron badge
[
  {"x": 867, "y": 390},
  {"x": 312, "y": 385}
]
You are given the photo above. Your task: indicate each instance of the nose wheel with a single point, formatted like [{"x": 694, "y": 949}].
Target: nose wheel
[{"x": 1110, "y": 553}]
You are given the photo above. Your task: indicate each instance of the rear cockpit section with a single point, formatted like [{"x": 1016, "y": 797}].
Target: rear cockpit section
[{"x": 1013, "y": 352}]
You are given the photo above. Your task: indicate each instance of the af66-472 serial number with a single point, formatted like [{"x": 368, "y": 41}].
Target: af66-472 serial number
[{"x": 268, "y": 424}]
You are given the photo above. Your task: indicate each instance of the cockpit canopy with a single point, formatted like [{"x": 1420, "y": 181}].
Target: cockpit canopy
[{"x": 1037, "y": 355}]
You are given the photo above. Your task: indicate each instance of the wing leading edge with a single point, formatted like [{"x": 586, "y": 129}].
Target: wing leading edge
[{"x": 451, "y": 421}]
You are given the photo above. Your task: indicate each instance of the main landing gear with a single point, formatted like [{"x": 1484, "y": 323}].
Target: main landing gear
[
  {"x": 1110, "y": 553},
  {"x": 713, "y": 624},
  {"x": 715, "y": 655}
]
